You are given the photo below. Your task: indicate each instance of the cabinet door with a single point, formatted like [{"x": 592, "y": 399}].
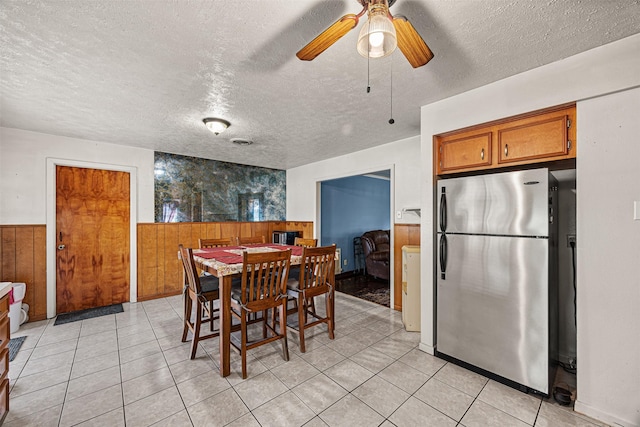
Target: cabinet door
[
  {"x": 464, "y": 151},
  {"x": 541, "y": 137}
]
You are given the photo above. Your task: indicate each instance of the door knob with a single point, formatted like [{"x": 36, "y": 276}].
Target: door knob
[{"x": 61, "y": 247}]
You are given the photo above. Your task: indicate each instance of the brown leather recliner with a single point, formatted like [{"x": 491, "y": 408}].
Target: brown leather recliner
[{"x": 375, "y": 246}]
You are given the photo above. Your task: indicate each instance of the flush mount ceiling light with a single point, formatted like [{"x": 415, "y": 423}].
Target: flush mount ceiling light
[{"x": 216, "y": 125}]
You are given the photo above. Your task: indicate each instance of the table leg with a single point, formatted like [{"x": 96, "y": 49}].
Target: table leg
[{"x": 225, "y": 325}]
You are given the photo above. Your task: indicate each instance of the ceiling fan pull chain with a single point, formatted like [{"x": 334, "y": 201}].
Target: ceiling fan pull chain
[
  {"x": 391, "y": 121},
  {"x": 368, "y": 61}
]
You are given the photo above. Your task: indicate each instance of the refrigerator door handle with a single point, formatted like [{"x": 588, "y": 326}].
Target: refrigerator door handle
[
  {"x": 443, "y": 210},
  {"x": 443, "y": 256}
]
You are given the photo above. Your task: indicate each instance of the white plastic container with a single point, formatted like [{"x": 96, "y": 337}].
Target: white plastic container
[
  {"x": 411, "y": 287},
  {"x": 17, "y": 316}
]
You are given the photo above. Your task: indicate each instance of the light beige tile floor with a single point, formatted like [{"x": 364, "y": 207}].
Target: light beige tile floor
[{"x": 132, "y": 369}]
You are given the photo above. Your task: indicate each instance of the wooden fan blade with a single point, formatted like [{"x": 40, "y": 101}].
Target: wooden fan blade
[
  {"x": 410, "y": 43},
  {"x": 328, "y": 37}
]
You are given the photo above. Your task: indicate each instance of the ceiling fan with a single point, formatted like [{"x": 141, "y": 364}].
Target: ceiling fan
[{"x": 378, "y": 37}]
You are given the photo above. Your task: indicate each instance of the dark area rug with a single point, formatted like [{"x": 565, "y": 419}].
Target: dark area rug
[
  {"x": 89, "y": 313},
  {"x": 364, "y": 287},
  {"x": 14, "y": 347}
]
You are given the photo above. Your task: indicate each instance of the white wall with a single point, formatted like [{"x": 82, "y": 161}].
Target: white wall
[
  {"x": 608, "y": 182},
  {"x": 403, "y": 156},
  {"x": 23, "y": 171},
  {"x": 27, "y": 186},
  {"x": 566, "y": 215},
  {"x": 604, "y": 70}
]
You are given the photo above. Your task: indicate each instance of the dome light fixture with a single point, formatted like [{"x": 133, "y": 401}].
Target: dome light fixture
[
  {"x": 241, "y": 141},
  {"x": 216, "y": 125}
]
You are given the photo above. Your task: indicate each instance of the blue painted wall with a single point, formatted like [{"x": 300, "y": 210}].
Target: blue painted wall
[{"x": 349, "y": 207}]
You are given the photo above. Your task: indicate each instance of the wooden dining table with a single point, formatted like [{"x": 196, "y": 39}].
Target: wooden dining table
[{"x": 226, "y": 263}]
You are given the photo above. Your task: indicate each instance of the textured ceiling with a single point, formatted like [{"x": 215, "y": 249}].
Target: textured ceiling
[{"x": 145, "y": 73}]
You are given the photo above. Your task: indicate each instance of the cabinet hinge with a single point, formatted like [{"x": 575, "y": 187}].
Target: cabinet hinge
[
  {"x": 569, "y": 145},
  {"x": 568, "y": 123}
]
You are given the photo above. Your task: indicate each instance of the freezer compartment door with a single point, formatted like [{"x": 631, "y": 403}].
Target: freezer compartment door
[
  {"x": 492, "y": 306},
  {"x": 512, "y": 203}
]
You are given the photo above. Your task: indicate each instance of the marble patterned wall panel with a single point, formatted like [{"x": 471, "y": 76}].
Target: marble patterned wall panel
[{"x": 190, "y": 189}]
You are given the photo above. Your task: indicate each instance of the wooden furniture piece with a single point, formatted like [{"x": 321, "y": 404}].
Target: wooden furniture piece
[
  {"x": 251, "y": 240},
  {"x": 311, "y": 243},
  {"x": 5, "y": 336},
  {"x": 200, "y": 292},
  {"x": 217, "y": 243},
  {"x": 220, "y": 264},
  {"x": 317, "y": 277},
  {"x": 263, "y": 288},
  {"x": 539, "y": 136}
]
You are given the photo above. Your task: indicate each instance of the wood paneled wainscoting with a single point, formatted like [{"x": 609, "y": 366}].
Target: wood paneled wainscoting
[
  {"x": 24, "y": 253},
  {"x": 160, "y": 271},
  {"x": 404, "y": 234}
]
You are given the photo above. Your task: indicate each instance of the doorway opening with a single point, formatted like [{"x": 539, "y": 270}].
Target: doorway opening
[
  {"x": 350, "y": 207},
  {"x": 53, "y": 237}
]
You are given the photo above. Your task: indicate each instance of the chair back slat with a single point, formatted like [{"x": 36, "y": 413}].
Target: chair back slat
[
  {"x": 299, "y": 241},
  {"x": 318, "y": 269},
  {"x": 264, "y": 278},
  {"x": 251, "y": 240},
  {"x": 218, "y": 243},
  {"x": 189, "y": 265}
]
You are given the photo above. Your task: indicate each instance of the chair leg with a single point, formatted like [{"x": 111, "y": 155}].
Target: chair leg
[
  {"x": 274, "y": 319},
  {"x": 196, "y": 330},
  {"x": 243, "y": 347},
  {"x": 312, "y": 303},
  {"x": 329, "y": 313},
  {"x": 265, "y": 313},
  {"x": 302, "y": 320},
  {"x": 187, "y": 314},
  {"x": 211, "y": 314},
  {"x": 283, "y": 329}
]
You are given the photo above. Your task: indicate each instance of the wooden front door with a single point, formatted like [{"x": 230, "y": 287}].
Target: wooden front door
[{"x": 92, "y": 238}]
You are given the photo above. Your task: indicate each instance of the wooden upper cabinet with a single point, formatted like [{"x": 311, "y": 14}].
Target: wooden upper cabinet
[
  {"x": 465, "y": 151},
  {"x": 540, "y": 136}
]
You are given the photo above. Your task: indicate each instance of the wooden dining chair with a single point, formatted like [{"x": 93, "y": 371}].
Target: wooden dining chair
[
  {"x": 200, "y": 292},
  {"x": 218, "y": 243},
  {"x": 263, "y": 287},
  {"x": 317, "y": 277},
  {"x": 251, "y": 240},
  {"x": 311, "y": 243},
  {"x": 295, "y": 270}
]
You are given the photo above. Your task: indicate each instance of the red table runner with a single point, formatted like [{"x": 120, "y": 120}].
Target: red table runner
[{"x": 224, "y": 255}]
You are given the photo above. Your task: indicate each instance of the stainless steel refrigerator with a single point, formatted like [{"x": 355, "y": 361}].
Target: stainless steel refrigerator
[{"x": 496, "y": 266}]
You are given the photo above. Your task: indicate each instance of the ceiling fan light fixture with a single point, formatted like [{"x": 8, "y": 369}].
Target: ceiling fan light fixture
[
  {"x": 216, "y": 125},
  {"x": 377, "y": 37}
]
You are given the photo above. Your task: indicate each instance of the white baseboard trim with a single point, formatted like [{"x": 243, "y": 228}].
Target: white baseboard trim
[
  {"x": 427, "y": 348},
  {"x": 600, "y": 415}
]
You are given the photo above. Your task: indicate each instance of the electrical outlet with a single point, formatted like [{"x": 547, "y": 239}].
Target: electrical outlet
[
  {"x": 571, "y": 238},
  {"x": 345, "y": 261}
]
